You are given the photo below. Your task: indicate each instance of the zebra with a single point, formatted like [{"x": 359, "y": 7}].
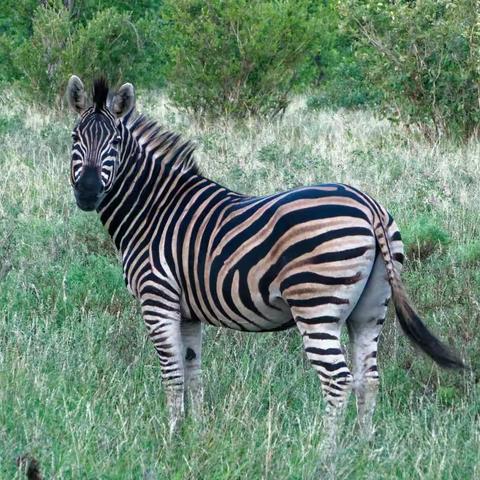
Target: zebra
[{"x": 193, "y": 252}]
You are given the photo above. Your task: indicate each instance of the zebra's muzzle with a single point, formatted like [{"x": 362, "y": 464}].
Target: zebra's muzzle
[
  {"x": 89, "y": 190},
  {"x": 88, "y": 203}
]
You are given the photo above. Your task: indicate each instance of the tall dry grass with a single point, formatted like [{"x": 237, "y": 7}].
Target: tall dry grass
[{"x": 79, "y": 382}]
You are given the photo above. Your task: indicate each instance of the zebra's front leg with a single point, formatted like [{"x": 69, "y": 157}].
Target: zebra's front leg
[
  {"x": 164, "y": 328},
  {"x": 192, "y": 349}
]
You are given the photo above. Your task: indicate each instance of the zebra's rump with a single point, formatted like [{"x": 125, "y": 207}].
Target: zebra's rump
[{"x": 249, "y": 258}]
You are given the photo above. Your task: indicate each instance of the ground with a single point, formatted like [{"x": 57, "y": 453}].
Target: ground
[{"x": 79, "y": 381}]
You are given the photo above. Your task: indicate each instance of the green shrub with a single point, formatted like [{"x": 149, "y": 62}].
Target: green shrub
[
  {"x": 343, "y": 86},
  {"x": 238, "y": 57},
  {"x": 422, "y": 237},
  {"x": 85, "y": 10},
  {"x": 41, "y": 58},
  {"x": 341, "y": 80},
  {"x": 15, "y": 26},
  {"x": 109, "y": 43},
  {"x": 425, "y": 57}
]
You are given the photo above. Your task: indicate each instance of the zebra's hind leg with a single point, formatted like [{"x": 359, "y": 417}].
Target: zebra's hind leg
[
  {"x": 364, "y": 327},
  {"x": 192, "y": 349},
  {"x": 319, "y": 320},
  {"x": 322, "y": 346}
]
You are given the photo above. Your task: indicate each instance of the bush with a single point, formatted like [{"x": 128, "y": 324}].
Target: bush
[
  {"x": 341, "y": 80},
  {"x": 109, "y": 43},
  {"x": 425, "y": 57},
  {"x": 343, "y": 84},
  {"x": 15, "y": 26},
  {"x": 85, "y": 10},
  {"x": 423, "y": 237},
  {"x": 238, "y": 57},
  {"x": 41, "y": 59}
]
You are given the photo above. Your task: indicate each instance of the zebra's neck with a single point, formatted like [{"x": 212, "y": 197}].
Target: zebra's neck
[{"x": 154, "y": 166}]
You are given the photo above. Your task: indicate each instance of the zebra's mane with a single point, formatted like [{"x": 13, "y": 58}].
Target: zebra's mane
[
  {"x": 160, "y": 143},
  {"x": 100, "y": 93}
]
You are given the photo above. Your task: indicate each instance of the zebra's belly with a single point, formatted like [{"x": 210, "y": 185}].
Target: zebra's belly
[{"x": 258, "y": 315}]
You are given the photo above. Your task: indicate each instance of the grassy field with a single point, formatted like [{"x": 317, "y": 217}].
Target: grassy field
[{"x": 79, "y": 381}]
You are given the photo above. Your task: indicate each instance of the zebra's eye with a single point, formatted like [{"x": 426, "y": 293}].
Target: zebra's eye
[{"x": 116, "y": 141}]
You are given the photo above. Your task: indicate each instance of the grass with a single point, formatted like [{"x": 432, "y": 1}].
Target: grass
[{"x": 80, "y": 384}]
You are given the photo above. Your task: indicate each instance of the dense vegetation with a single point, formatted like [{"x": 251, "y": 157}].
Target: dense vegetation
[
  {"x": 44, "y": 44},
  {"x": 425, "y": 58},
  {"x": 416, "y": 62},
  {"x": 380, "y": 95},
  {"x": 248, "y": 58}
]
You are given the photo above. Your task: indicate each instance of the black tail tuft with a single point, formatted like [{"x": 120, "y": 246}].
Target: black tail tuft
[{"x": 421, "y": 336}]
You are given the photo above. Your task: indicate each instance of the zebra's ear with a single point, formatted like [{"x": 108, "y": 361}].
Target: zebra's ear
[
  {"x": 76, "y": 95},
  {"x": 124, "y": 100}
]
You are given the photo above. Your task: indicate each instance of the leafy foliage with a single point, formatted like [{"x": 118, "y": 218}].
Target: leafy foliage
[
  {"x": 110, "y": 42},
  {"x": 15, "y": 26},
  {"x": 341, "y": 80},
  {"x": 425, "y": 57},
  {"x": 85, "y": 10},
  {"x": 238, "y": 57},
  {"x": 41, "y": 60},
  {"x": 418, "y": 62}
]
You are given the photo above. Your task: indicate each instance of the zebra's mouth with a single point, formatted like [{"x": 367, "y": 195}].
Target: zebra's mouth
[{"x": 88, "y": 203}]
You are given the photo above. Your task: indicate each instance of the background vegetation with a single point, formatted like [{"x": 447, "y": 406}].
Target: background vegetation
[
  {"x": 249, "y": 56},
  {"x": 380, "y": 95},
  {"x": 415, "y": 62},
  {"x": 425, "y": 58}
]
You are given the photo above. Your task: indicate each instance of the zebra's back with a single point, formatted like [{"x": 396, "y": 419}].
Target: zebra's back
[{"x": 244, "y": 260}]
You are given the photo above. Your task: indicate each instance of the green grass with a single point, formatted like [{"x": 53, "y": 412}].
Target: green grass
[{"x": 80, "y": 384}]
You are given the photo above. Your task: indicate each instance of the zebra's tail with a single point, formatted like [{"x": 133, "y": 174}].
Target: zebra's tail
[{"x": 412, "y": 325}]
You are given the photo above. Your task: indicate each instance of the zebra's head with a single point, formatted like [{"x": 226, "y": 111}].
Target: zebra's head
[{"x": 97, "y": 137}]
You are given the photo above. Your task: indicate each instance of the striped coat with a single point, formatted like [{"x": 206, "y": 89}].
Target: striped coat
[{"x": 314, "y": 258}]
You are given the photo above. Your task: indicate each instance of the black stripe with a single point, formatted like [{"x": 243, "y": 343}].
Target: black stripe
[
  {"x": 331, "y": 257},
  {"x": 316, "y": 321},
  {"x": 396, "y": 236},
  {"x": 311, "y": 277},
  {"x": 330, "y": 367},
  {"x": 399, "y": 257},
  {"x": 323, "y": 351},
  {"x": 321, "y": 336},
  {"x": 317, "y": 301}
]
